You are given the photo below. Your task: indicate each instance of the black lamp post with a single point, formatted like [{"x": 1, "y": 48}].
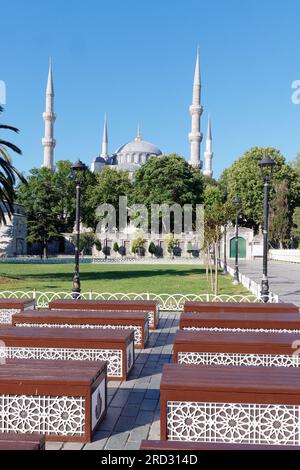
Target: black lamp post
[
  {"x": 266, "y": 171},
  {"x": 236, "y": 276},
  {"x": 78, "y": 168}
]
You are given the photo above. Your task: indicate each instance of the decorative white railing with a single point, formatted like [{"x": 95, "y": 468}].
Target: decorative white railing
[
  {"x": 291, "y": 256},
  {"x": 167, "y": 302}
]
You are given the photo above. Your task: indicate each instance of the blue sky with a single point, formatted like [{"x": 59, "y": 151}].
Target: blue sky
[{"x": 135, "y": 61}]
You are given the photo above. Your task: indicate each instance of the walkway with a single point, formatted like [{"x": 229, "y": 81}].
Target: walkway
[
  {"x": 284, "y": 278},
  {"x": 134, "y": 408}
]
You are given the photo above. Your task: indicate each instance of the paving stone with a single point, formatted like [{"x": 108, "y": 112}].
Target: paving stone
[
  {"x": 136, "y": 397},
  {"x": 73, "y": 445},
  {"x": 130, "y": 411},
  {"x": 152, "y": 394},
  {"x": 125, "y": 424},
  {"x": 139, "y": 433},
  {"x": 148, "y": 405},
  {"x": 120, "y": 398},
  {"x": 117, "y": 441},
  {"x": 132, "y": 446},
  {"x": 54, "y": 445},
  {"x": 111, "y": 418},
  {"x": 144, "y": 417}
]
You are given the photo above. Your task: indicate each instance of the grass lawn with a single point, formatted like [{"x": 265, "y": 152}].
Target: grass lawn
[{"x": 185, "y": 279}]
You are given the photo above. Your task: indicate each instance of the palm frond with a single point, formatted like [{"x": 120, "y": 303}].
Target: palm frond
[
  {"x": 11, "y": 146},
  {"x": 10, "y": 128}
]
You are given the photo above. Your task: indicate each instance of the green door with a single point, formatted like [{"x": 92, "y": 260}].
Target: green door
[{"x": 242, "y": 248}]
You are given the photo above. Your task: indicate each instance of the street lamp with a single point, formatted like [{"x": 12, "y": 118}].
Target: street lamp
[
  {"x": 78, "y": 169},
  {"x": 266, "y": 172},
  {"x": 236, "y": 276}
]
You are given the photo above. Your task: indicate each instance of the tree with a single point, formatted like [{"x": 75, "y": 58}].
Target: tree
[
  {"x": 86, "y": 242},
  {"x": 168, "y": 179},
  {"x": 8, "y": 174},
  {"x": 41, "y": 205},
  {"x": 217, "y": 214},
  {"x": 171, "y": 243},
  {"x": 98, "y": 245},
  {"x": 116, "y": 247},
  {"x": 242, "y": 179},
  {"x": 280, "y": 216},
  {"x": 152, "y": 249},
  {"x": 107, "y": 187},
  {"x": 296, "y": 224},
  {"x": 137, "y": 245}
]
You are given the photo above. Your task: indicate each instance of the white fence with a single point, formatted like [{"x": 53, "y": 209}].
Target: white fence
[
  {"x": 291, "y": 256},
  {"x": 167, "y": 302},
  {"x": 252, "y": 286}
]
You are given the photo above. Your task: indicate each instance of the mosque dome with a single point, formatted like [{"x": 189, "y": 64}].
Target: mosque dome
[{"x": 136, "y": 152}]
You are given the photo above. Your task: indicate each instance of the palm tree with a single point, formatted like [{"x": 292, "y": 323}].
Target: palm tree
[{"x": 8, "y": 174}]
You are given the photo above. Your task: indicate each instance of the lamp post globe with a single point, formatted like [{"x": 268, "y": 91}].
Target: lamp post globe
[
  {"x": 78, "y": 167},
  {"x": 266, "y": 172}
]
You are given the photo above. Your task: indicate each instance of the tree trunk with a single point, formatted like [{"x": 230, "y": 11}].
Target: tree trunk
[
  {"x": 216, "y": 270},
  {"x": 45, "y": 249}
]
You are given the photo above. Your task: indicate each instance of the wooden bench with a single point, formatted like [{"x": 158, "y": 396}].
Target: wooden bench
[
  {"x": 150, "y": 307},
  {"x": 244, "y": 307},
  {"x": 116, "y": 347},
  {"x": 12, "y": 441},
  {"x": 63, "y": 400},
  {"x": 242, "y": 322},
  {"x": 8, "y": 307},
  {"x": 184, "y": 445},
  {"x": 236, "y": 349},
  {"x": 248, "y": 405},
  {"x": 137, "y": 321}
]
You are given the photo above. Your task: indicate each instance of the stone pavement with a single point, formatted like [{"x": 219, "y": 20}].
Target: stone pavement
[
  {"x": 134, "y": 408},
  {"x": 284, "y": 278}
]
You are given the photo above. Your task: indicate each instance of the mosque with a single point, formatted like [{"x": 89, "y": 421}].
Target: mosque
[{"x": 133, "y": 154}]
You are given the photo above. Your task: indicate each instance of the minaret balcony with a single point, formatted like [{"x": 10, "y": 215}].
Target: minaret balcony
[
  {"x": 49, "y": 116},
  {"x": 48, "y": 142},
  {"x": 196, "y": 109},
  {"x": 195, "y": 136}
]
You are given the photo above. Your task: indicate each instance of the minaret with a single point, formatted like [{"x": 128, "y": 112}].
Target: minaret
[
  {"x": 104, "y": 153},
  {"x": 208, "y": 154},
  {"x": 196, "y": 110},
  {"x": 49, "y": 117}
]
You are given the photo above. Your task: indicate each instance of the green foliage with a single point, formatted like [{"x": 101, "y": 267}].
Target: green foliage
[
  {"x": 280, "y": 220},
  {"x": 242, "y": 179},
  {"x": 137, "y": 245},
  {"x": 168, "y": 179},
  {"x": 107, "y": 187},
  {"x": 8, "y": 174},
  {"x": 171, "y": 243},
  {"x": 86, "y": 241},
  {"x": 98, "y": 245},
  {"x": 116, "y": 247},
  {"x": 296, "y": 223},
  {"x": 152, "y": 248},
  {"x": 41, "y": 203}
]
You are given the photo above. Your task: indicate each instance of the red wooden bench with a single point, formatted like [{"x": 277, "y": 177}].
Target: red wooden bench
[
  {"x": 151, "y": 307},
  {"x": 230, "y": 405},
  {"x": 244, "y": 307},
  {"x": 201, "y": 446},
  {"x": 9, "y": 307},
  {"x": 247, "y": 322},
  {"x": 12, "y": 441},
  {"x": 236, "y": 349},
  {"x": 116, "y": 347},
  {"x": 63, "y": 400},
  {"x": 86, "y": 319}
]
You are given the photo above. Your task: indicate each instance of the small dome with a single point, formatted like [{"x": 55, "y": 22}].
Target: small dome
[{"x": 100, "y": 160}]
